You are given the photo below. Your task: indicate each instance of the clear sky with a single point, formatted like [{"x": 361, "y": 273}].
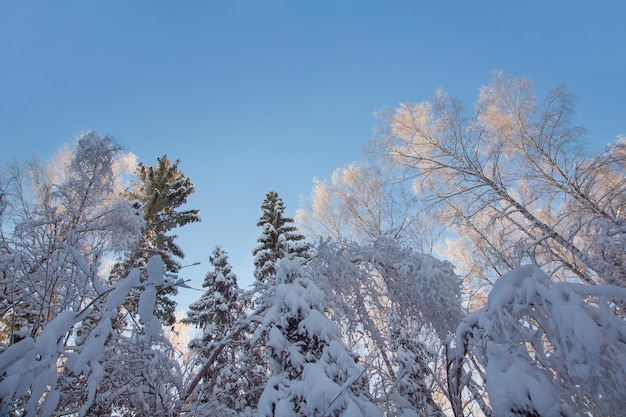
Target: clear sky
[{"x": 258, "y": 95}]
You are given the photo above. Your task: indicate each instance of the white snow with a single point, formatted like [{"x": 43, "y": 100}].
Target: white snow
[{"x": 549, "y": 347}]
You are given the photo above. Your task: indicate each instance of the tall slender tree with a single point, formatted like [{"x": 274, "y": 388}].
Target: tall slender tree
[
  {"x": 230, "y": 381},
  {"x": 279, "y": 237},
  {"x": 159, "y": 193},
  {"x": 218, "y": 308},
  {"x": 157, "y": 196}
]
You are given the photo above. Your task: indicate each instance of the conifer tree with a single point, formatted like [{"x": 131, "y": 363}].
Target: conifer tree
[
  {"x": 159, "y": 193},
  {"x": 229, "y": 384},
  {"x": 218, "y": 308},
  {"x": 162, "y": 190},
  {"x": 312, "y": 373},
  {"x": 279, "y": 237}
]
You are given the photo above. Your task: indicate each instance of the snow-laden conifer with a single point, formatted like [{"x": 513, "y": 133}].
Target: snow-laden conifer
[
  {"x": 218, "y": 308},
  {"x": 224, "y": 388},
  {"x": 312, "y": 373},
  {"x": 279, "y": 236}
]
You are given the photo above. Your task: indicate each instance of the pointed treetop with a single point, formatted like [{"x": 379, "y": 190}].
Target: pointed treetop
[
  {"x": 279, "y": 236},
  {"x": 161, "y": 190},
  {"x": 218, "y": 307}
]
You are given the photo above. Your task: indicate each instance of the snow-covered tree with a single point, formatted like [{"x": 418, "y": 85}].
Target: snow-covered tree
[
  {"x": 143, "y": 377},
  {"x": 514, "y": 174},
  {"x": 312, "y": 373},
  {"x": 46, "y": 374},
  {"x": 370, "y": 283},
  {"x": 73, "y": 202},
  {"x": 218, "y": 308},
  {"x": 604, "y": 223},
  {"x": 279, "y": 236},
  {"x": 364, "y": 202},
  {"x": 548, "y": 348},
  {"x": 241, "y": 355},
  {"x": 414, "y": 378},
  {"x": 224, "y": 389}
]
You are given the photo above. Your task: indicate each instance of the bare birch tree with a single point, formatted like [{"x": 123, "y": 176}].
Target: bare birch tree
[
  {"x": 513, "y": 177},
  {"x": 364, "y": 202}
]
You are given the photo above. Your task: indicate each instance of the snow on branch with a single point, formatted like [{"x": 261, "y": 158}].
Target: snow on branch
[
  {"x": 31, "y": 370},
  {"x": 549, "y": 348}
]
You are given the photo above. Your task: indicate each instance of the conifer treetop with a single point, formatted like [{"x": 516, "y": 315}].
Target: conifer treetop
[{"x": 279, "y": 237}]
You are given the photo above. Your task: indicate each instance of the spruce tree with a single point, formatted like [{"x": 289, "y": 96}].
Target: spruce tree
[
  {"x": 279, "y": 237},
  {"x": 230, "y": 383},
  {"x": 312, "y": 373},
  {"x": 159, "y": 193},
  {"x": 218, "y": 308}
]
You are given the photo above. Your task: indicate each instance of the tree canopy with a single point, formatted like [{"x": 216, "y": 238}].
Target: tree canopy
[{"x": 474, "y": 267}]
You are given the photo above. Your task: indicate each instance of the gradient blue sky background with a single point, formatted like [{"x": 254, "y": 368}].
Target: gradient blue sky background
[{"x": 258, "y": 95}]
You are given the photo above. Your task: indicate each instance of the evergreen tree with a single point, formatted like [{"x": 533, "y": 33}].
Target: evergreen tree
[
  {"x": 159, "y": 193},
  {"x": 218, "y": 308},
  {"x": 312, "y": 373},
  {"x": 279, "y": 237},
  {"x": 229, "y": 384}
]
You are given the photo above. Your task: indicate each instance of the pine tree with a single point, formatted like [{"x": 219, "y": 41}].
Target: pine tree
[
  {"x": 279, "y": 237},
  {"x": 159, "y": 193}
]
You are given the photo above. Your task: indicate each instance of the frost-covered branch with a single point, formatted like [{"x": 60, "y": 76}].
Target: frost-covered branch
[
  {"x": 31, "y": 369},
  {"x": 548, "y": 348}
]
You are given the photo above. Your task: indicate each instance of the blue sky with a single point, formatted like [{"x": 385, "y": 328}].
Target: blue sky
[{"x": 258, "y": 95}]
